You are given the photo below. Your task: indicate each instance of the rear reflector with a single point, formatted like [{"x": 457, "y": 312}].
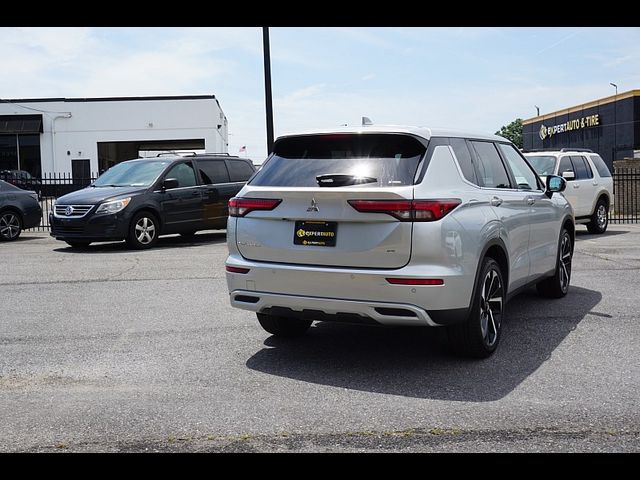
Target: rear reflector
[
  {"x": 415, "y": 281},
  {"x": 408, "y": 210},
  {"x": 237, "y": 269},
  {"x": 239, "y": 207}
]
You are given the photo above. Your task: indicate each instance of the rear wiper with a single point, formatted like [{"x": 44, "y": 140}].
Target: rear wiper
[{"x": 342, "y": 179}]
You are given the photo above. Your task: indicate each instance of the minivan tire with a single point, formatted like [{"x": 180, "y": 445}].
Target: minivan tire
[
  {"x": 479, "y": 336},
  {"x": 600, "y": 218},
  {"x": 558, "y": 285},
  {"x": 143, "y": 230},
  {"x": 283, "y": 326}
]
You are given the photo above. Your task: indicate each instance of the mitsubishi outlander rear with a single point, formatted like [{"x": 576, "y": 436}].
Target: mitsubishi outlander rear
[{"x": 396, "y": 226}]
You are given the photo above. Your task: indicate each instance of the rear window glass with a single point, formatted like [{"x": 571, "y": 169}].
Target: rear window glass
[
  {"x": 387, "y": 160},
  {"x": 602, "y": 168},
  {"x": 239, "y": 170}
]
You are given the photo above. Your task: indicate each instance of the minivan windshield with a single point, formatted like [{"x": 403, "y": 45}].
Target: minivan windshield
[
  {"x": 543, "y": 164},
  {"x": 135, "y": 173},
  {"x": 334, "y": 160}
]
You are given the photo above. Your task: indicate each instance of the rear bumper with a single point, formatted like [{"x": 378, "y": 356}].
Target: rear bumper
[
  {"x": 332, "y": 291},
  {"x": 325, "y": 308}
]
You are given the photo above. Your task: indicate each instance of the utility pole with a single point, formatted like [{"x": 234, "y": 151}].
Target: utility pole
[{"x": 267, "y": 87}]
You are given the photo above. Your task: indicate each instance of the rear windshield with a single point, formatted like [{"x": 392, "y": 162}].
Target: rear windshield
[
  {"x": 385, "y": 160},
  {"x": 543, "y": 164}
]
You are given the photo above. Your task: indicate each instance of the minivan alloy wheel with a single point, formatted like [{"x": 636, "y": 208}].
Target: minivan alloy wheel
[
  {"x": 491, "y": 307},
  {"x": 9, "y": 226},
  {"x": 145, "y": 230}
]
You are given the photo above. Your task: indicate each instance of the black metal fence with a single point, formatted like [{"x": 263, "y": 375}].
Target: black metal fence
[
  {"x": 626, "y": 191},
  {"x": 52, "y": 186},
  {"x": 626, "y": 187}
]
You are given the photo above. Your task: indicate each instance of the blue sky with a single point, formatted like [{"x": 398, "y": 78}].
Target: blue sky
[{"x": 468, "y": 78}]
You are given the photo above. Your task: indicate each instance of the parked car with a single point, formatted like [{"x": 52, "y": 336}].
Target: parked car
[
  {"x": 590, "y": 184},
  {"x": 139, "y": 200},
  {"x": 22, "y": 179},
  {"x": 396, "y": 226},
  {"x": 19, "y": 209}
]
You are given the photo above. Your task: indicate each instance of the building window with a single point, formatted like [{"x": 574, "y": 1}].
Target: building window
[{"x": 20, "y": 152}]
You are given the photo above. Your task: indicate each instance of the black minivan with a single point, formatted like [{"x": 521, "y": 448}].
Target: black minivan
[{"x": 139, "y": 200}]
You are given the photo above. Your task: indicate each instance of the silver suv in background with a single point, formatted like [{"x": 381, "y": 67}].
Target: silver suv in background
[
  {"x": 396, "y": 226},
  {"x": 590, "y": 184}
]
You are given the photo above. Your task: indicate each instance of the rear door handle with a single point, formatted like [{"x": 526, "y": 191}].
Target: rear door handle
[
  {"x": 496, "y": 201},
  {"x": 531, "y": 200},
  {"x": 195, "y": 194},
  {"x": 576, "y": 185}
]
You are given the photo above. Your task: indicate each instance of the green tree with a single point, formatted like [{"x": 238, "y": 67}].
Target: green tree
[{"x": 512, "y": 132}]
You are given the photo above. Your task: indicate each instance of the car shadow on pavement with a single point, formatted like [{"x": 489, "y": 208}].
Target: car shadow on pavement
[
  {"x": 585, "y": 235},
  {"x": 416, "y": 362},
  {"x": 173, "y": 241}
]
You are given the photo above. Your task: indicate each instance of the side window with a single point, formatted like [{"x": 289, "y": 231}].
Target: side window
[
  {"x": 183, "y": 172},
  {"x": 602, "y": 168},
  {"x": 213, "y": 171},
  {"x": 491, "y": 168},
  {"x": 463, "y": 155},
  {"x": 565, "y": 166},
  {"x": 239, "y": 170},
  {"x": 525, "y": 178},
  {"x": 583, "y": 171}
]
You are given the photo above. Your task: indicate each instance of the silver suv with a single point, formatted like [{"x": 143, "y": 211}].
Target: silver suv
[
  {"x": 590, "y": 185},
  {"x": 396, "y": 226}
]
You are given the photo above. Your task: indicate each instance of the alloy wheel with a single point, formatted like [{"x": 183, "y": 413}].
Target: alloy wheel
[
  {"x": 145, "y": 230},
  {"x": 565, "y": 262},
  {"x": 491, "y": 307},
  {"x": 9, "y": 226},
  {"x": 601, "y": 215}
]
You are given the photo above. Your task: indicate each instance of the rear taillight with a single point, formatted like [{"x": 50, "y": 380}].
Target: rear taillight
[
  {"x": 239, "y": 207},
  {"x": 408, "y": 210},
  {"x": 415, "y": 281},
  {"x": 236, "y": 269}
]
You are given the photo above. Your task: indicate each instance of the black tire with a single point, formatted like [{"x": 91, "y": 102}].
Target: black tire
[
  {"x": 10, "y": 225},
  {"x": 479, "y": 336},
  {"x": 283, "y": 326},
  {"x": 143, "y": 231},
  {"x": 77, "y": 244},
  {"x": 558, "y": 285},
  {"x": 600, "y": 218}
]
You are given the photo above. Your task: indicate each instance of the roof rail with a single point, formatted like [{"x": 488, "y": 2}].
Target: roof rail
[
  {"x": 222, "y": 154},
  {"x": 576, "y": 150},
  {"x": 540, "y": 150}
]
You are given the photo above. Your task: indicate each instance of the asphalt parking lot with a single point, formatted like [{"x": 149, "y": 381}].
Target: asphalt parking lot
[{"x": 116, "y": 350}]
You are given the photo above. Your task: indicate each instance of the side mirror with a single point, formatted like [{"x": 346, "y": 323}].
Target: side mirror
[
  {"x": 569, "y": 175},
  {"x": 555, "y": 184},
  {"x": 170, "y": 183}
]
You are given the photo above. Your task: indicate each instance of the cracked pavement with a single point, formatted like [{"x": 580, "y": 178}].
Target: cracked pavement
[{"x": 116, "y": 350}]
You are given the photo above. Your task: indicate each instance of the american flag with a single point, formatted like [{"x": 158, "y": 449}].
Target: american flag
[{"x": 243, "y": 148}]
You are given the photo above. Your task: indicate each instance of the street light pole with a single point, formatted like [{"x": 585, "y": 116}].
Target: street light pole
[
  {"x": 267, "y": 87},
  {"x": 615, "y": 123},
  {"x": 537, "y": 109}
]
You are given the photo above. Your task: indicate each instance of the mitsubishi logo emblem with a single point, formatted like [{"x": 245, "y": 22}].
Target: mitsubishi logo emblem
[
  {"x": 68, "y": 211},
  {"x": 313, "y": 207}
]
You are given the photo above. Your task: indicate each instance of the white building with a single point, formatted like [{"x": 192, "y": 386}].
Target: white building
[{"x": 81, "y": 136}]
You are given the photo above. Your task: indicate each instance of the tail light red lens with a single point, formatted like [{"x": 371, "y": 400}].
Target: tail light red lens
[
  {"x": 408, "y": 210},
  {"x": 236, "y": 269},
  {"x": 239, "y": 207},
  {"x": 415, "y": 281}
]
